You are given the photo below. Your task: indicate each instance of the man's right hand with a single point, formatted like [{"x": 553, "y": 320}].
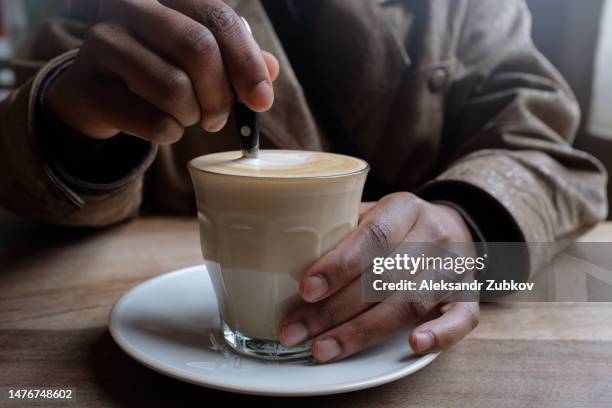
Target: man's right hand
[{"x": 150, "y": 69}]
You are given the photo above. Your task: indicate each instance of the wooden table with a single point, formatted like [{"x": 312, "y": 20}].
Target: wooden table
[{"x": 57, "y": 287}]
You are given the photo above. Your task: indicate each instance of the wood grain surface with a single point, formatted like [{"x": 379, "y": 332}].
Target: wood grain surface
[{"x": 58, "y": 285}]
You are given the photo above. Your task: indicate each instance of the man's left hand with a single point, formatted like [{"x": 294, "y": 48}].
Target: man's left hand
[{"x": 334, "y": 314}]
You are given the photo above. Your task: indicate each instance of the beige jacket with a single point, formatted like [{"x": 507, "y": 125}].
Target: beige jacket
[{"x": 448, "y": 98}]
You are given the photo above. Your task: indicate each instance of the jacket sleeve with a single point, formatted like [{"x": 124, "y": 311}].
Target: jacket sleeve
[
  {"x": 30, "y": 185},
  {"x": 511, "y": 120}
]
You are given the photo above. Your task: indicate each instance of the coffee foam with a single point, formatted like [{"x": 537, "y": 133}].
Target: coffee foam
[{"x": 280, "y": 164}]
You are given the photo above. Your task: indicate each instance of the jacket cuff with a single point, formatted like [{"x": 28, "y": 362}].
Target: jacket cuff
[
  {"x": 489, "y": 221},
  {"x": 82, "y": 163},
  {"x": 31, "y": 187}
]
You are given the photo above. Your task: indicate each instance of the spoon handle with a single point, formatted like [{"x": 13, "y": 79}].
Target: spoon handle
[
  {"x": 247, "y": 122},
  {"x": 247, "y": 125}
]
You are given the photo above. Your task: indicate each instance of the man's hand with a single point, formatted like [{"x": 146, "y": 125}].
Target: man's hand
[
  {"x": 152, "y": 68},
  {"x": 334, "y": 315}
]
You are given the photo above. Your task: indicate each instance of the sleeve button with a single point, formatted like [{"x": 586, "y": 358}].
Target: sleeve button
[{"x": 438, "y": 79}]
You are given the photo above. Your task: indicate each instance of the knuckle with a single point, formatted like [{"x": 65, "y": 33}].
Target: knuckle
[
  {"x": 401, "y": 196},
  {"x": 471, "y": 316},
  {"x": 221, "y": 107},
  {"x": 165, "y": 130},
  {"x": 360, "y": 334},
  {"x": 446, "y": 338},
  {"x": 379, "y": 234},
  {"x": 409, "y": 311},
  {"x": 176, "y": 86},
  {"x": 326, "y": 316},
  {"x": 199, "y": 43},
  {"x": 246, "y": 61},
  {"x": 99, "y": 33},
  {"x": 103, "y": 37},
  {"x": 439, "y": 233},
  {"x": 119, "y": 9},
  {"x": 131, "y": 3},
  {"x": 437, "y": 342},
  {"x": 349, "y": 267},
  {"x": 112, "y": 7},
  {"x": 221, "y": 19}
]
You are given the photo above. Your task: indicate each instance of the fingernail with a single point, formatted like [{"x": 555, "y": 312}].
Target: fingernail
[
  {"x": 293, "y": 334},
  {"x": 314, "y": 288},
  {"x": 424, "y": 341},
  {"x": 262, "y": 95},
  {"x": 214, "y": 124},
  {"x": 326, "y": 350}
]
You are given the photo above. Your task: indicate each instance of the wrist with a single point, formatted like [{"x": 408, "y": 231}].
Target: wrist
[{"x": 459, "y": 229}]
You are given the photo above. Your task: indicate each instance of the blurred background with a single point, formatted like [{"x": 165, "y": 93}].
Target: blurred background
[
  {"x": 576, "y": 35},
  {"x": 19, "y": 18}
]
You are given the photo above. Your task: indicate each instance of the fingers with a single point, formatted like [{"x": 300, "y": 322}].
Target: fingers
[
  {"x": 272, "y": 65},
  {"x": 381, "y": 228},
  {"x": 158, "y": 82},
  {"x": 364, "y": 208},
  {"x": 367, "y": 329},
  {"x": 187, "y": 44},
  {"x": 312, "y": 319},
  {"x": 210, "y": 43},
  {"x": 118, "y": 108},
  {"x": 242, "y": 56},
  {"x": 457, "y": 320},
  {"x": 340, "y": 337},
  {"x": 378, "y": 323}
]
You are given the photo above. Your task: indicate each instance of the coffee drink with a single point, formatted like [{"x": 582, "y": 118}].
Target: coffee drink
[{"x": 263, "y": 222}]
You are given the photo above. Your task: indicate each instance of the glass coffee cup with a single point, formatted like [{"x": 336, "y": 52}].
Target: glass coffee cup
[{"x": 263, "y": 222}]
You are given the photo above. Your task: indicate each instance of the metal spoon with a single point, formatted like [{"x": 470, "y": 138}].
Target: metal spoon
[{"x": 247, "y": 123}]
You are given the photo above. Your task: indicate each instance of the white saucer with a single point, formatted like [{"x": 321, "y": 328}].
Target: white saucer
[{"x": 170, "y": 324}]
